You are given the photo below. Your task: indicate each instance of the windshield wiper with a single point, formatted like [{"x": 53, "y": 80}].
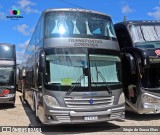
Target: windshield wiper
[
  {"x": 100, "y": 74},
  {"x": 70, "y": 90}
]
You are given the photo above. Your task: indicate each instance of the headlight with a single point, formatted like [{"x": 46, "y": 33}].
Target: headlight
[
  {"x": 50, "y": 101},
  {"x": 149, "y": 99},
  {"x": 121, "y": 99}
]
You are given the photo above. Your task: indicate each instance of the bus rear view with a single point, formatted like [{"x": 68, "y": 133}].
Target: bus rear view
[{"x": 7, "y": 74}]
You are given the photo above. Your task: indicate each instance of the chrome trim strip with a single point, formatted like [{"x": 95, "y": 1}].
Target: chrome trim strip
[{"x": 73, "y": 113}]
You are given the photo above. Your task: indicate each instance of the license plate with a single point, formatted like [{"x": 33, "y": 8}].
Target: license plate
[{"x": 91, "y": 118}]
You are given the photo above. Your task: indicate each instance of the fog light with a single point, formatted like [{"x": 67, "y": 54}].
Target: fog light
[{"x": 49, "y": 117}]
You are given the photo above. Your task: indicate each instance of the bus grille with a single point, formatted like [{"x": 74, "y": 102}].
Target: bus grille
[{"x": 88, "y": 101}]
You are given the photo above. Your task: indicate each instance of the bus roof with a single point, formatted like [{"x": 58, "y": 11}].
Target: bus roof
[
  {"x": 74, "y": 10},
  {"x": 140, "y": 22}
]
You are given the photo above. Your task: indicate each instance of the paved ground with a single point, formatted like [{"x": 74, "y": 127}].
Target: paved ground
[{"x": 22, "y": 115}]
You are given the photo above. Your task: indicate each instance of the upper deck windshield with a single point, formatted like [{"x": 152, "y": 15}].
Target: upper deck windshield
[
  {"x": 6, "y": 76},
  {"x": 7, "y": 52},
  {"x": 78, "y": 24},
  {"x": 145, "y": 36},
  {"x": 74, "y": 67}
]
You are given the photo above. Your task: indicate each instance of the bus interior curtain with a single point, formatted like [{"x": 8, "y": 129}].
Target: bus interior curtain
[
  {"x": 157, "y": 29},
  {"x": 108, "y": 71},
  {"x": 109, "y": 30},
  {"x": 145, "y": 33},
  {"x": 75, "y": 29},
  {"x": 136, "y": 34},
  {"x": 150, "y": 33},
  {"x": 61, "y": 72}
]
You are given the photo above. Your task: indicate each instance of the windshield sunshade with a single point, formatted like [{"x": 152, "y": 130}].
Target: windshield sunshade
[{"x": 141, "y": 33}]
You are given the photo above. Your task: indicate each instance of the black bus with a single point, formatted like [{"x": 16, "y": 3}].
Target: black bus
[
  {"x": 7, "y": 73},
  {"x": 140, "y": 44},
  {"x": 73, "y": 68}
]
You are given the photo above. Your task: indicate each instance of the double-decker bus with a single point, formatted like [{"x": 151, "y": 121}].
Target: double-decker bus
[
  {"x": 7, "y": 74},
  {"x": 73, "y": 68},
  {"x": 140, "y": 44}
]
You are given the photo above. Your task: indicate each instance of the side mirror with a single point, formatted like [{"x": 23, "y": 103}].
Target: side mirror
[
  {"x": 17, "y": 73},
  {"x": 132, "y": 63},
  {"x": 42, "y": 61}
]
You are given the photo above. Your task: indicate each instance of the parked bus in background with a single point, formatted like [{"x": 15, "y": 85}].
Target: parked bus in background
[
  {"x": 140, "y": 44},
  {"x": 73, "y": 68},
  {"x": 7, "y": 74}
]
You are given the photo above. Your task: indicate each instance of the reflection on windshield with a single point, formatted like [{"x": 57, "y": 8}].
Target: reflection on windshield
[
  {"x": 6, "y": 76},
  {"x": 77, "y": 23},
  {"x": 6, "y": 52}
]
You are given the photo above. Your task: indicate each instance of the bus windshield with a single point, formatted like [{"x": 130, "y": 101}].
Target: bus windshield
[
  {"x": 6, "y": 76},
  {"x": 78, "y": 24},
  {"x": 149, "y": 45},
  {"x": 71, "y": 69},
  {"x": 145, "y": 33},
  {"x": 104, "y": 68},
  {"x": 6, "y": 52}
]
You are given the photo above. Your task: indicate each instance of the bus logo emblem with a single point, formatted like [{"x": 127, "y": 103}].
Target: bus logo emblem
[
  {"x": 91, "y": 101},
  {"x": 157, "y": 52}
]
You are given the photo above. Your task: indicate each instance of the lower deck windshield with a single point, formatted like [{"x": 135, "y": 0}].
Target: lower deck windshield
[
  {"x": 151, "y": 77},
  {"x": 6, "y": 76},
  {"x": 75, "y": 67}
]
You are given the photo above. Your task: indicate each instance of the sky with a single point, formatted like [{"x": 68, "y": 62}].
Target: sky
[{"x": 19, "y": 31}]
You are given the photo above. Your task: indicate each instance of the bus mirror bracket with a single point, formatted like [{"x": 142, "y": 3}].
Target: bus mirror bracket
[
  {"x": 23, "y": 72},
  {"x": 18, "y": 72}
]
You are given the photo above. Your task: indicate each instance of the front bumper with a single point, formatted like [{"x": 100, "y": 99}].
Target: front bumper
[
  {"x": 69, "y": 116},
  {"x": 146, "y": 107}
]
